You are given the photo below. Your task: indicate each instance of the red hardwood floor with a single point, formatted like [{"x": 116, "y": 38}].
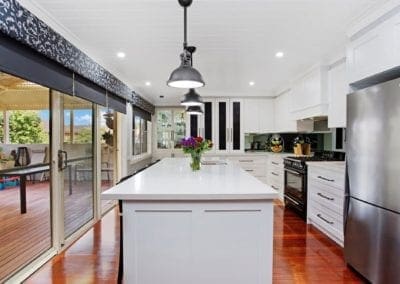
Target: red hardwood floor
[{"x": 301, "y": 255}]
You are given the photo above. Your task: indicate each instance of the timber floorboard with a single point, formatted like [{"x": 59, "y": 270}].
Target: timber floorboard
[{"x": 302, "y": 254}]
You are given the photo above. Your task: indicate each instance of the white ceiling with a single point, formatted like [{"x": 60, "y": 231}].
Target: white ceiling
[{"x": 236, "y": 40}]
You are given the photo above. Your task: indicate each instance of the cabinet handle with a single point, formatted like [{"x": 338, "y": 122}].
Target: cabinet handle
[
  {"x": 326, "y": 197},
  {"x": 249, "y": 170},
  {"x": 274, "y": 187},
  {"x": 326, "y": 179},
  {"x": 232, "y": 135},
  {"x": 325, "y": 220},
  {"x": 275, "y": 174},
  {"x": 275, "y": 163},
  {"x": 246, "y": 161}
]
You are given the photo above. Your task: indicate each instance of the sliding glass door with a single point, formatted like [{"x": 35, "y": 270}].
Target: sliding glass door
[
  {"x": 75, "y": 161},
  {"x": 25, "y": 189}
]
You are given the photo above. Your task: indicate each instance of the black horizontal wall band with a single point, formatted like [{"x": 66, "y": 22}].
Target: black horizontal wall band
[{"x": 20, "y": 24}]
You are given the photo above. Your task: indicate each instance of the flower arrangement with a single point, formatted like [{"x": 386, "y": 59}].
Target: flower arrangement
[{"x": 195, "y": 146}]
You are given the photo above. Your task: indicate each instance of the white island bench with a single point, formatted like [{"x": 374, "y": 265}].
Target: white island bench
[{"x": 210, "y": 226}]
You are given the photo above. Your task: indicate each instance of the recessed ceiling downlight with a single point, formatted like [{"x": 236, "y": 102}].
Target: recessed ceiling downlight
[
  {"x": 121, "y": 54},
  {"x": 252, "y": 83},
  {"x": 279, "y": 54}
]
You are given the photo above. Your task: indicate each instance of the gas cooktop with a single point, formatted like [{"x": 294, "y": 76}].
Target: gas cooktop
[{"x": 320, "y": 157}]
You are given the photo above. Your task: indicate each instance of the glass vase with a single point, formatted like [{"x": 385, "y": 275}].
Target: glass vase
[{"x": 195, "y": 164}]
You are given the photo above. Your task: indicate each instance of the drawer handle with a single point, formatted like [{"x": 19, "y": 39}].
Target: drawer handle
[
  {"x": 275, "y": 163},
  {"x": 249, "y": 170},
  {"x": 325, "y": 220},
  {"x": 326, "y": 179},
  {"x": 275, "y": 174},
  {"x": 326, "y": 197},
  {"x": 274, "y": 187},
  {"x": 246, "y": 161}
]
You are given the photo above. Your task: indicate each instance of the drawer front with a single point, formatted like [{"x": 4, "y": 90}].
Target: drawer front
[
  {"x": 327, "y": 220},
  {"x": 242, "y": 160},
  {"x": 276, "y": 184},
  {"x": 277, "y": 162},
  {"x": 255, "y": 170},
  {"x": 326, "y": 196},
  {"x": 275, "y": 175},
  {"x": 327, "y": 177}
]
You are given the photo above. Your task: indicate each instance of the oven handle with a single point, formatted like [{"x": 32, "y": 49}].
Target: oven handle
[
  {"x": 292, "y": 172},
  {"x": 291, "y": 199}
]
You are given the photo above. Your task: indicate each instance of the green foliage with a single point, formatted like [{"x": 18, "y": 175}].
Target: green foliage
[
  {"x": 84, "y": 135},
  {"x": 26, "y": 128}
]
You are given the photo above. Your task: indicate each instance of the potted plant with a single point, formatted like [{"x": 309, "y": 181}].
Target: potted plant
[{"x": 107, "y": 137}]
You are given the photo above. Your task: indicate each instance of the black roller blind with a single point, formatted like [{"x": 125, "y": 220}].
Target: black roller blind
[
  {"x": 21, "y": 61},
  {"x": 141, "y": 113}
]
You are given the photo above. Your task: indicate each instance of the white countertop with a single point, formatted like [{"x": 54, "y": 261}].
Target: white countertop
[{"x": 173, "y": 179}]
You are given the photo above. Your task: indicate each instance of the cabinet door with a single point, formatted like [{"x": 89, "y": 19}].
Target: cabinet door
[
  {"x": 222, "y": 127},
  {"x": 338, "y": 90},
  {"x": 251, "y": 118},
  {"x": 236, "y": 126},
  {"x": 194, "y": 125},
  {"x": 266, "y": 115},
  {"x": 284, "y": 120},
  {"x": 369, "y": 54}
]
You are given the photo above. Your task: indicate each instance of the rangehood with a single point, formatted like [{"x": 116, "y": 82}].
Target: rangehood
[{"x": 319, "y": 124}]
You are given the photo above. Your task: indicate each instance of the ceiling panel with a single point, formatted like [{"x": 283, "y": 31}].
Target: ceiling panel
[{"x": 236, "y": 40}]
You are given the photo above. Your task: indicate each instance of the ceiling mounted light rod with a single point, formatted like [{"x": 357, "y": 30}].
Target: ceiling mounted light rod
[{"x": 185, "y": 76}]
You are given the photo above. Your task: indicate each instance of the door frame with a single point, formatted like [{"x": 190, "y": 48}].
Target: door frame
[{"x": 57, "y": 116}]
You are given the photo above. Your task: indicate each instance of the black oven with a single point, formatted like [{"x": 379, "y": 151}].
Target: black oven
[{"x": 295, "y": 190}]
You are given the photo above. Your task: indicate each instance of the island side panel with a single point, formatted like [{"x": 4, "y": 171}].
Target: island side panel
[{"x": 198, "y": 242}]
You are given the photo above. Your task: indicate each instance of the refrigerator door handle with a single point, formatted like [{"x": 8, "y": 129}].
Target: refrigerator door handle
[{"x": 346, "y": 204}]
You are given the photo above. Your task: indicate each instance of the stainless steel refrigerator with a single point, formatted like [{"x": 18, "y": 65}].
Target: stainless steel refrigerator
[{"x": 372, "y": 206}]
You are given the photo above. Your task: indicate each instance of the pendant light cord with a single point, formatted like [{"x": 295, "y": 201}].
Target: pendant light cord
[{"x": 184, "y": 28}]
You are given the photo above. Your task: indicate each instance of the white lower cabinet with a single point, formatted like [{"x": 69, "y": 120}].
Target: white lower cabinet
[
  {"x": 326, "y": 198},
  {"x": 275, "y": 175},
  {"x": 268, "y": 168}
]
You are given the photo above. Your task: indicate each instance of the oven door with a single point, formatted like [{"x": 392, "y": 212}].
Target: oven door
[{"x": 295, "y": 187}]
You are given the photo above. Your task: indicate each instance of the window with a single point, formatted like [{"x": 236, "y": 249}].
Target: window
[{"x": 141, "y": 134}]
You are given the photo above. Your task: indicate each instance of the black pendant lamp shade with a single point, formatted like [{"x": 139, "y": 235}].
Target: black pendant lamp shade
[
  {"x": 194, "y": 110},
  {"x": 185, "y": 76},
  {"x": 192, "y": 99}
]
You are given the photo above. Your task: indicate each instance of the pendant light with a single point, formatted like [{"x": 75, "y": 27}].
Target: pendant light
[
  {"x": 196, "y": 110},
  {"x": 185, "y": 76},
  {"x": 192, "y": 99}
]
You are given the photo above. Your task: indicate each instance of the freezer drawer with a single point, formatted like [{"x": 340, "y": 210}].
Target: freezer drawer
[{"x": 372, "y": 242}]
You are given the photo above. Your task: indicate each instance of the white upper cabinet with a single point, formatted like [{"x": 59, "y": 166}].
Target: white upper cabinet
[
  {"x": 338, "y": 90},
  {"x": 309, "y": 94},
  {"x": 375, "y": 50},
  {"x": 283, "y": 118},
  {"x": 258, "y": 115}
]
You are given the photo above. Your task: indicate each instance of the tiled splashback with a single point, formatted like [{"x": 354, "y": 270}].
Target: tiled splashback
[{"x": 319, "y": 141}]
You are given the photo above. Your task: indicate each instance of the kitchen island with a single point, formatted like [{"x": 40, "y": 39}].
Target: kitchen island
[{"x": 210, "y": 226}]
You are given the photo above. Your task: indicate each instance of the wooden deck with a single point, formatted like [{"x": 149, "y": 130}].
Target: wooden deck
[
  {"x": 23, "y": 237},
  {"x": 301, "y": 255}
]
